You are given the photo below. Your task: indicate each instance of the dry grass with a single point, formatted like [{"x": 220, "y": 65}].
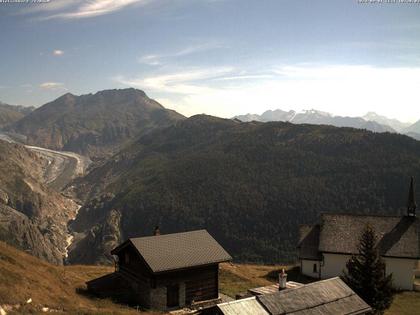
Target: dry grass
[
  {"x": 61, "y": 288},
  {"x": 23, "y": 276},
  {"x": 259, "y": 275},
  {"x": 238, "y": 278},
  {"x": 405, "y": 303}
]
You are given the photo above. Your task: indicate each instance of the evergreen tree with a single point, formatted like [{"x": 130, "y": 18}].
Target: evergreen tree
[{"x": 366, "y": 274}]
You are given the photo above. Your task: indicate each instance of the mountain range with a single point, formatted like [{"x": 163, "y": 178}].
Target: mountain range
[
  {"x": 251, "y": 184},
  {"x": 12, "y": 113},
  {"x": 96, "y": 125},
  {"x": 371, "y": 121}
]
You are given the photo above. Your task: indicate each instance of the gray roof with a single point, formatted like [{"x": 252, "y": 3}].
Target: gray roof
[
  {"x": 309, "y": 242},
  {"x": 397, "y": 236},
  {"x": 179, "y": 250},
  {"x": 273, "y": 288},
  {"x": 248, "y": 306},
  {"x": 328, "y": 297}
]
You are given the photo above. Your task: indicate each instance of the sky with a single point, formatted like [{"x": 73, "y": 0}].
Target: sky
[{"x": 219, "y": 57}]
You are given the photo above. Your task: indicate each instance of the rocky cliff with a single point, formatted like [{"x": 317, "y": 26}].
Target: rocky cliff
[
  {"x": 33, "y": 216},
  {"x": 94, "y": 124}
]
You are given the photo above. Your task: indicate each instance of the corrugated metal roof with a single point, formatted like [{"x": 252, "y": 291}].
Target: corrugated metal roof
[
  {"x": 329, "y": 297},
  {"x": 248, "y": 306},
  {"x": 180, "y": 250}
]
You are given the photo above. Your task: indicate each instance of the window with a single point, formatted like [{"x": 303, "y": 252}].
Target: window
[
  {"x": 315, "y": 268},
  {"x": 172, "y": 295},
  {"x": 127, "y": 258}
]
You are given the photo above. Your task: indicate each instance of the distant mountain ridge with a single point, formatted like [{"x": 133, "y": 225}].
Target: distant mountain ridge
[
  {"x": 12, "y": 113},
  {"x": 371, "y": 121},
  {"x": 250, "y": 184},
  {"x": 93, "y": 124},
  {"x": 414, "y": 128},
  {"x": 393, "y": 123}
]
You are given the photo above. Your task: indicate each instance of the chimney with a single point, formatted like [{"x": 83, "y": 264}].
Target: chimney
[
  {"x": 411, "y": 205},
  {"x": 282, "y": 280},
  {"x": 156, "y": 232}
]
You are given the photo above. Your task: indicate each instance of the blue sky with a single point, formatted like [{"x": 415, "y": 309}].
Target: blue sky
[{"x": 220, "y": 57}]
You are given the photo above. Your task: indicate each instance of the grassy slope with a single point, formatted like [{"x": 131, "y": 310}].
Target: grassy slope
[
  {"x": 56, "y": 287},
  {"x": 406, "y": 303},
  {"x": 50, "y": 286}
]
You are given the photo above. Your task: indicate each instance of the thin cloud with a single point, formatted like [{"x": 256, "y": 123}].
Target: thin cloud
[
  {"x": 346, "y": 90},
  {"x": 93, "y": 8},
  {"x": 52, "y": 86},
  {"x": 51, "y": 6},
  {"x": 78, "y": 9},
  {"x": 151, "y": 60},
  {"x": 186, "y": 82},
  {"x": 58, "y": 52},
  {"x": 246, "y": 77},
  {"x": 158, "y": 59}
]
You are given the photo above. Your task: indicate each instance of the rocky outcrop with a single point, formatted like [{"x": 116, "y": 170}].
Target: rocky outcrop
[
  {"x": 95, "y": 124},
  {"x": 95, "y": 244},
  {"x": 12, "y": 113},
  {"x": 26, "y": 234},
  {"x": 33, "y": 217}
]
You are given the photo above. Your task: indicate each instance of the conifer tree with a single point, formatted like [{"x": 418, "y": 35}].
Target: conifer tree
[{"x": 366, "y": 275}]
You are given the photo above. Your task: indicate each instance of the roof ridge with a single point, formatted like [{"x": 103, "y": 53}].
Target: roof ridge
[
  {"x": 238, "y": 301},
  {"x": 167, "y": 235},
  {"x": 321, "y": 281},
  {"x": 350, "y": 294},
  {"x": 362, "y": 215},
  {"x": 311, "y": 284}
]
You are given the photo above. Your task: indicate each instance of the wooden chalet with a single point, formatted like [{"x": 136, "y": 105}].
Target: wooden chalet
[{"x": 164, "y": 272}]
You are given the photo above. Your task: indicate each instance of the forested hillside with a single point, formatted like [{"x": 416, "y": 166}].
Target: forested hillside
[{"x": 249, "y": 184}]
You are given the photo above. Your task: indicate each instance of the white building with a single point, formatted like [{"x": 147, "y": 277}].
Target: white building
[{"x": 324, "y": 249}]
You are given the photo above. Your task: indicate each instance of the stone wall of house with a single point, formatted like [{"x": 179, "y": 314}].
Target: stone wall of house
[
  {"x": 143, "y": 294},
  {"x": 182, "y": 294},
  {"x": 158, "y": 298}
]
